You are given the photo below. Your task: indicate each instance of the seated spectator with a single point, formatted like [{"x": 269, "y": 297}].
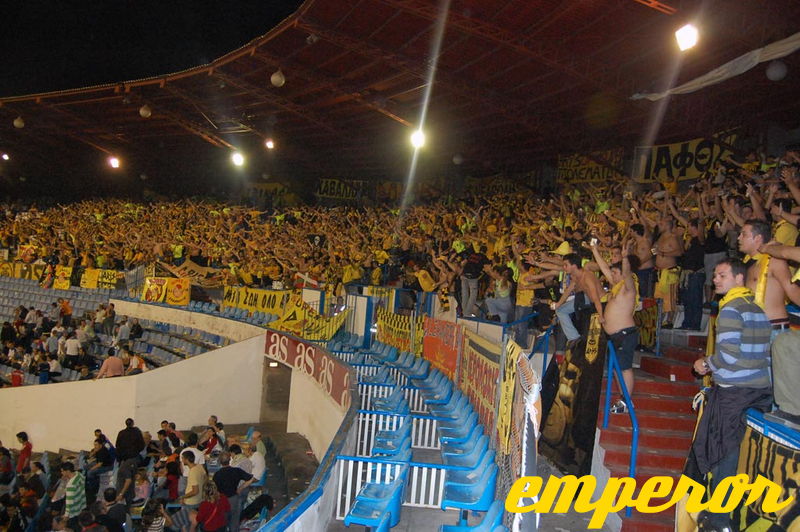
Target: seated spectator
[
  {"x": 213, "y": 511},
  {"x": 136, "y": 330},
  {"x": 112, "y": 366},
  {"x": 257, "y": 459},
  {"x": 155, "y": 517}
]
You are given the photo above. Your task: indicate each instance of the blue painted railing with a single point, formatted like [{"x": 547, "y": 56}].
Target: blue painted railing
[{"x": 614, "y": 370}]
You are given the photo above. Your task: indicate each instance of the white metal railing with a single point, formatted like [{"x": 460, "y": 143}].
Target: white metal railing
[
  {"x": 398, "y": 376},
  {"x": 415, "y": 399},
  {"x": 424, "y": 484},
  {"x": 369, "y": 422},
  {"x": 424, "y": 433},
  {"x": 365, "y": 370},
  {"x": 368, "y": 392}
]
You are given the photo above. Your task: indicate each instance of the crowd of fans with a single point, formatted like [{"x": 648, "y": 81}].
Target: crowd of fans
[
  {"x": 42, "y": 345},
  {"x": 182, "y": 482}
]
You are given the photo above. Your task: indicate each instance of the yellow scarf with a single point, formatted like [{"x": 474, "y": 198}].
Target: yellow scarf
[
  {"x": 762, "y": 260},
  {"x": 618, "y": 287},
  {"x": 735, "y": 293}
]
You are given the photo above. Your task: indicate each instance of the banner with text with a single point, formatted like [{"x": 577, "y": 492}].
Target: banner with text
[
  {"x": 341, "y": 189},
  {"x": 648, "y": 320},
  {"x": 679, "y": 161},
  {"x": 504, "y": 420},
  {"x": 255, "y": 299},
  {"x": 331, "y": 375},
  {"x": 480, "y": 369},
  {"x": 440, "y": 345},
  {"x": 395, "y": 330},
  {"x": 577, "y": 168},
  {"x": 302, "y": 320}
]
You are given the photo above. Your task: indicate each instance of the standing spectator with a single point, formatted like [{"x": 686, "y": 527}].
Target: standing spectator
[
  {"x": 75, "y": 494},
  {"x": 471, "y": 270},
  {"x": 109, "y": 317},
  {"x": 232, "y": 482},
  {"x": 129, "y": 444},
  {"x": 193, "y": 495},
  {"x": 24, "y": 459},
  {"x": 72, "y": 350},
  {"x": 740, "y": 365},
  {"x": 123, "y": 333}
]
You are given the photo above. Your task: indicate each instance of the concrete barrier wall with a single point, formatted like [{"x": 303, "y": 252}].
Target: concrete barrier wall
[
  {"x": 313, "y": 413},
  {"x": 235, "y": 330},
  {"x": 227, "y": 382}
]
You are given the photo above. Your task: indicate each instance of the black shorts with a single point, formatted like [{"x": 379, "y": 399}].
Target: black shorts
[{"x": 625, "y": 342}]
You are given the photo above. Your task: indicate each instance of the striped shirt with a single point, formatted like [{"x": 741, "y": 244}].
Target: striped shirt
[
  {"x": 742, "y": 357},
  {"x": 76, "y": 496}
]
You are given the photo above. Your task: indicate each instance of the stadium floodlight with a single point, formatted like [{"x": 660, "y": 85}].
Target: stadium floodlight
[
  {"x": 5, "y": 157},
  {"x": 237, "y": 158},
  {"x": 418, "y": 139},
  {"x": 270, "y": 144},
  {"x": 113, "y": 162},
  {"x": 687, "y": 37}
]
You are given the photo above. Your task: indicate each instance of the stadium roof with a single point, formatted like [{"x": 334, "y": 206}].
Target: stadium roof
[{"x": 516, "y": 81}]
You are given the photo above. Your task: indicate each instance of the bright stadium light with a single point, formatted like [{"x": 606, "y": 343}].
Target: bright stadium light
[
  {"x": 418, "y": 139},
  {"x": 270, "y": 144},
  {"x": 237, "y": 158},
  {"x": 113, "y": 162},
  {"x": 5, "y": 157},
  {"x": 687, "y": 37}
]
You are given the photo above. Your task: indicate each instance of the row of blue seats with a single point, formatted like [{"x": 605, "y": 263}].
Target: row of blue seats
[
  {"x": 186, "y": 331},
  {"x": 462, "y": 438}
]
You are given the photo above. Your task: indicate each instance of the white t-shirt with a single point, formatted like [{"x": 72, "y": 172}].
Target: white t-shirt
[
  {"x": 72, "y": 347},
  {"x": 199, "y": 458}
]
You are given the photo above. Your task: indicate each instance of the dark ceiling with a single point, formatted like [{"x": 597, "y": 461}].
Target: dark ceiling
[{"x": 516, "y": 82}]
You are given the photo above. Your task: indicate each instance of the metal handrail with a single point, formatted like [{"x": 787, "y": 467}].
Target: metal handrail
[{"x": 614, "y": 369}]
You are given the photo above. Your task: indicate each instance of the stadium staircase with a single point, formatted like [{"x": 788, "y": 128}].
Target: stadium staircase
[{"x": 663, "y": 395}]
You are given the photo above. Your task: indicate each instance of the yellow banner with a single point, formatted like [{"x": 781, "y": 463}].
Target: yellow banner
[
  {"x": 513, "y": 351},
  {"x": 395, "y": 330},
  {"x": 28, "y": 271},
  {"x": 255, "y": 300},
  {"x": 679, "y": 161},
  {"x": 6, "y": 269},
  {"x": 61, "y": 281},
  {"x": 89, "y": 278},
  {"x": 577, "y": 168},
  {"x": 107, "y": 279},
  {"x": 178, "y": 292},
  {"x": 480, "y": 368},
  {"x": 305, "y": 322},
  {"x": 154, "y": 289}
]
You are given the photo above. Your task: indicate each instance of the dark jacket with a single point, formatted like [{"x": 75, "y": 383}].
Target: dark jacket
[{"x": 130, "y": 443}]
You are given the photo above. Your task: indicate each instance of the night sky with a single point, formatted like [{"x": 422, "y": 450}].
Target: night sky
[{"x": 48, "y": 45}]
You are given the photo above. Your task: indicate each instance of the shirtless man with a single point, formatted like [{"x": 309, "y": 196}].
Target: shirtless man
[
  {"x": 667, "y": 249},
  {"x": 580, "y": 281},
  {"x": 643, "y": 244},
  {"x": 785, "y": 353},
  {"x": 618, "y": 317},
  {"x": 773, "y": 286}
]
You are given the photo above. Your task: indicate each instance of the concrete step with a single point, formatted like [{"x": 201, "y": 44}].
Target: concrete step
[
  {"x": 665, "y": 460},
  {"x": 684, "y": 354},
  {"x": 651, "y": 438},
  {"x": 653, "y": 419},
  {"x": 673, "y": 370}
]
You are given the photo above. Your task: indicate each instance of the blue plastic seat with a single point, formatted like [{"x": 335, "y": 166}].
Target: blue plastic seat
[
  {"x": 477, "y": 497},
  {"x": 471, "y": 458},
  {"x": 369, "y": 510},
  {"x": 453, "y": 443},
  {"x": 458, "y": 476}
]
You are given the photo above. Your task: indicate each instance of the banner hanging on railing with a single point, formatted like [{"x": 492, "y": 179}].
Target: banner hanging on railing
[
  {"x": 302, "y": 320},
  {"x": 62, "y": 277},
  {"x": 440, "y": 345},
  {"x": 513, "y": 351},
  {"x": 6, "y": 269},
  {"x": 28, "y": 271},
  {"x": 647, "y": 320},
  {"x": 256, "y": 299},
  {"x": 395, "y": 330},
  {"x": 385, "y": 294},
  {"x": 598, "y": 167},
  {"x": 166, "y": 290},
  {"x": 95, "y": 278},
  {"x": 569, "y": 425},
  {"x": 480, "y": 369}
]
